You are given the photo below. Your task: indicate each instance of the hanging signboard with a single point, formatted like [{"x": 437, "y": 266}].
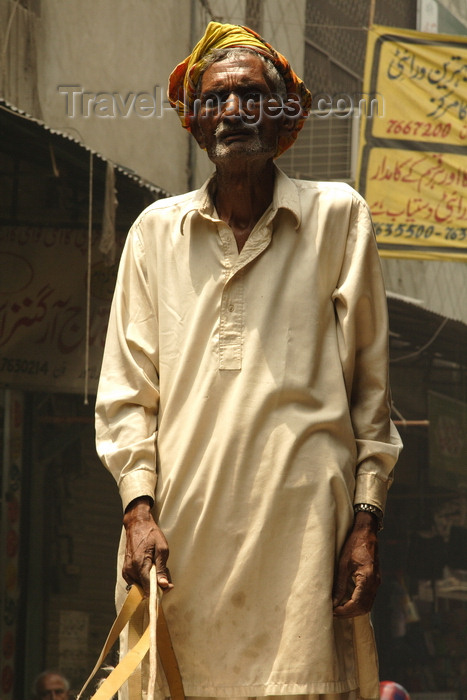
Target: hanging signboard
[
  {"x": 413, "y": 152},
  {"x": 44, "y": 325}
]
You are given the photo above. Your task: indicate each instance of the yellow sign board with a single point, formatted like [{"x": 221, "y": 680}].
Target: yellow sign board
[{"x": 413, "y": 155}]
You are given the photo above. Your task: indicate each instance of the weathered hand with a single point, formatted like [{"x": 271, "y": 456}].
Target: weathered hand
[
  {"x": 358, "y": 575},
  {"x": 145, "y": 545}
]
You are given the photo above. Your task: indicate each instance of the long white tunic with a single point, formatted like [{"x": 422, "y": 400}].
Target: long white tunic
[{"x": 253, "y": 386}]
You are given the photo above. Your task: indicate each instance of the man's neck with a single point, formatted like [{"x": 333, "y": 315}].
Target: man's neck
[{"x": 242, "y": 196}]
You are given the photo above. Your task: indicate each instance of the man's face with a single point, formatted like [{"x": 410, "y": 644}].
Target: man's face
[
  {"x": 237, "y": 114},
  {"x": 52, "y": 687}
]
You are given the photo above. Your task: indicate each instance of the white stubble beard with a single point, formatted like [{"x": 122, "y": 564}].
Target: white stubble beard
[{"x": 222, "y": 149}]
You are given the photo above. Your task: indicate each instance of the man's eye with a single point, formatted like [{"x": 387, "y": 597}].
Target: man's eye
[
  {"x": 211, "y": 101},
  {"x": 252, "y": 97}
]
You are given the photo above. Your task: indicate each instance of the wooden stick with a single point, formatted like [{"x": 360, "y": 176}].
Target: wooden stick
[{"x": 153, "y": 610}]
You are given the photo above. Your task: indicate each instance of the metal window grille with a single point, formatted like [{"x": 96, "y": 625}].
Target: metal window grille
[{"x": 325, "y": 148}]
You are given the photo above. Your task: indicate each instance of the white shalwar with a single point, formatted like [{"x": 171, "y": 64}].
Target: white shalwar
[{"x": 253, "y": 387}]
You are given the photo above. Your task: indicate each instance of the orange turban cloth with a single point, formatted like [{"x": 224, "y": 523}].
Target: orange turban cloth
[{"x": 184, "y": 78}]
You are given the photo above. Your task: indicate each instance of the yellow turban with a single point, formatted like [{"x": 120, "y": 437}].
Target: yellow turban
[{"x": 184, "y": 78}]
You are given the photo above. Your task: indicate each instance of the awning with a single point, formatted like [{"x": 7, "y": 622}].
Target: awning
[
  {"x": 416, "y": 331},
  {"x": 21, "y": 131}
]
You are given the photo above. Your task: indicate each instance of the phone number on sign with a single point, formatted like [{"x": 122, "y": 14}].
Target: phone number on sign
[
  {"x": 15, "y": 366},
  {"x": 419, "y": 231},
  {"x": 398, "y": 127}
]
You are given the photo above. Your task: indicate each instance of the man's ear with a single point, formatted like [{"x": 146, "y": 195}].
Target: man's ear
[
  {"x": 290, "y": 114},
  {"x": 286, "y": 127},
  {"x": 288, "y": 124}
]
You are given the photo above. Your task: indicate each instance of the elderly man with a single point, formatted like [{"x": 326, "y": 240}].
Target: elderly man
[
  {"x": 246, "y": 369},
  {"x": 51, "y": 685}
]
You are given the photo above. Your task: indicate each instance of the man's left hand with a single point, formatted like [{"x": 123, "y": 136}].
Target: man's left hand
[{"x": 358, "y": 569}]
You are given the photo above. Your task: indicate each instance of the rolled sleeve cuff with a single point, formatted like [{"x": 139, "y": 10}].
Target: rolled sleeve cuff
[
  {"x": 141, "y": 482},
  {"x": 370, "y": 488}
]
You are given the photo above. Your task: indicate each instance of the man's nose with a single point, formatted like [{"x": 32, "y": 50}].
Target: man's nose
[{"x": 233, "y": 106}]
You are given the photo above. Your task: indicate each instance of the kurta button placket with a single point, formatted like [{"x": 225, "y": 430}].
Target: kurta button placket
[
  {"x": 231, "y": 324},
  {"x": 232, "y": 304}
]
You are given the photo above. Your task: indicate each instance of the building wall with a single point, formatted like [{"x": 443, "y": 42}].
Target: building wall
[{"x": 116, "y": 47}]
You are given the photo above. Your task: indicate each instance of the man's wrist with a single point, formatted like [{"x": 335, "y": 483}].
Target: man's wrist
[
  {"x": 369, "y": 508},
  {"x": 144, "y": 500},
  {"x": 138, "y": 509}
]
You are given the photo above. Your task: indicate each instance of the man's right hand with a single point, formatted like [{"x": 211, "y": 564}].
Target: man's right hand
[{"x": 145, "y": 545}]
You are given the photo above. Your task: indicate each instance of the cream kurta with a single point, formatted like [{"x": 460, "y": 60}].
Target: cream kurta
[{"x": 234, "y": 373}]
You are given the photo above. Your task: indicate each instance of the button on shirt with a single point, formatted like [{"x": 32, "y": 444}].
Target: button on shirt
[{"x": 253, "y": 388}]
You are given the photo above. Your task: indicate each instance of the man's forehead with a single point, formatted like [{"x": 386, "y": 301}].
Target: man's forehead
[{"x": 243, "y": 69}]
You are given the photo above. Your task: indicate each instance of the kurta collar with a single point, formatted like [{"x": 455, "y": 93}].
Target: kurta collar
[{"x": 285, "y": 197}]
